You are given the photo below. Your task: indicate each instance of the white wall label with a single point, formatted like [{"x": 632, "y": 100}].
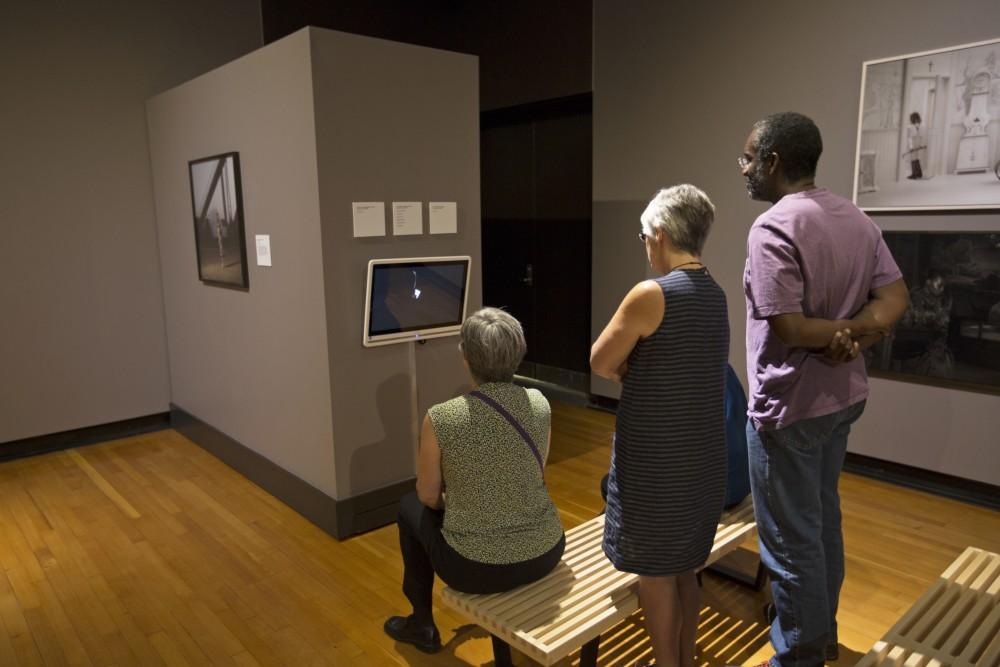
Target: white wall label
[
  {"x": 263, "y": 249},
  {"x": 443, "y": 217},
  {"x": 407, "y": 218},
  {"x": 369, "y": 218}
]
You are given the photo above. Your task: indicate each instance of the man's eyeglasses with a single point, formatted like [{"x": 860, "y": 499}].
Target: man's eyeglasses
[{"x": 745, "y": 161}]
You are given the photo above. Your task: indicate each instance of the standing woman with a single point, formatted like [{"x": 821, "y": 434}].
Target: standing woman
[{"x": 668, "y": 345}]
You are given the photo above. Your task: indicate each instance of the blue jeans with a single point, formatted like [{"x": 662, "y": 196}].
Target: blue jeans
[{"x": 793, "y": 478}]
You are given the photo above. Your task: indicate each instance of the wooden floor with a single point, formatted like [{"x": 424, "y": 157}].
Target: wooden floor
[{"x": 148, "y": 551}]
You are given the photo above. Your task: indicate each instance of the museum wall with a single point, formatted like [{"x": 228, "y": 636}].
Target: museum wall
[
  {"x": 250, "y": 363},
  {"x": 83, "y": 332},
  {"x": 394, "y": 122},
  {"x": 676, "y": 89}
]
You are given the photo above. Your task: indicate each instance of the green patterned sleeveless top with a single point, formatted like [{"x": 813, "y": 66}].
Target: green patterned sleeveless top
[{"x": 497, "y": 509}]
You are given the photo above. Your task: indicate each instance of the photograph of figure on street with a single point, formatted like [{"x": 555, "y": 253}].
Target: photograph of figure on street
[
  {"x": 217, "y": 202},
  {"x": 929, "y": 131},
  {"x": 950, "y": 334}
]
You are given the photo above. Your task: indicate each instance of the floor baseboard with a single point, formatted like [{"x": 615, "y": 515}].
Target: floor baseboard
[
  {"x": 78, "y": 437},
  {"x": 339, "y": 517}
]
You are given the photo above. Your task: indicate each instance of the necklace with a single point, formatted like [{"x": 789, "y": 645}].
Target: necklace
[{"x": 685, "y": 264}]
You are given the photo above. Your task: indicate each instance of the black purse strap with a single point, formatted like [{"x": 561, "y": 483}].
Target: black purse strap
[{"x": 513, "y": 422}]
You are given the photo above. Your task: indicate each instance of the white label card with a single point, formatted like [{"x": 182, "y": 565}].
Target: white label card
[
  {"x": 369, "y": 218},
  {"x": 443, "y": 217},
  {"x": 263, "y": 242},
  {"x": 407, "y": 218}
]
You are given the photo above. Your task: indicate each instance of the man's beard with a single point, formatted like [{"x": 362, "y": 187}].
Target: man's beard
[{"x": 757, "y": 184}]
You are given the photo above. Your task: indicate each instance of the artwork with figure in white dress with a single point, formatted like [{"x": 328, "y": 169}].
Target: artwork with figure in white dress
[
  {"x": 929, "y": 130},
  {"x": 217, "y": 202}
]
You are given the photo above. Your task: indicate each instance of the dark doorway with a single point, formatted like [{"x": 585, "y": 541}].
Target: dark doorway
[{"x": 536, "y": 189}]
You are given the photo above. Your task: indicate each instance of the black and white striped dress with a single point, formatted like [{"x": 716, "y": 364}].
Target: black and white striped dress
[{"x": 668, "y": 465}]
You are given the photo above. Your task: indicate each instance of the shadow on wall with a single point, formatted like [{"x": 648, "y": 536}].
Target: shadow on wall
[{"x": 390, "y": 459}]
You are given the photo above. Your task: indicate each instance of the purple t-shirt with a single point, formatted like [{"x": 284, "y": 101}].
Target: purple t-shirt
[{"x": 817, "y": 254}]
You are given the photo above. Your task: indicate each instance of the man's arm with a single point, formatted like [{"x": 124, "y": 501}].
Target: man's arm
[
  {"x": 797, "y": 330},
  {"x": 874, "y": 321},
  {"x": 884, "y": 309}
]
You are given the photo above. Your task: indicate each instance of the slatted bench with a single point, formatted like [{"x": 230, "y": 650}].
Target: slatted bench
[
  {"x": 956, "y": 623},
  {"x": 584, "y": 596}
]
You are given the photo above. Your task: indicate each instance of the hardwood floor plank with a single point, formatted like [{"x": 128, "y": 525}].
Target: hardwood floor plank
[
  {"x": 246, "y": 660},
  {"x": 168, "y": 650},
  {"x": 103, "y": 484},
  {"x": 45, "y": 638},
  {"x": 63, "y": 629}
]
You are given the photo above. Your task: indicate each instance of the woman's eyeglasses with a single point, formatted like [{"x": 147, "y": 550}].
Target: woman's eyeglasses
[{"x": 642, "y": 236}]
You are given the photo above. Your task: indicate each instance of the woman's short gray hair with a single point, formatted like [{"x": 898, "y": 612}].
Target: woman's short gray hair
[
  {"x": 684, "y": 213},
  {"x": 493, "y": 345}
]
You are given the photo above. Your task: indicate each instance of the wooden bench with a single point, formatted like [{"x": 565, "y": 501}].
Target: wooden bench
[
  {"x": 584, "y": 596},
  {"x": 956, "y": 623}
]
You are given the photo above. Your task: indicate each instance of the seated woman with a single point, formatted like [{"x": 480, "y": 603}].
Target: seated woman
[{"x": 481, "y": 517}]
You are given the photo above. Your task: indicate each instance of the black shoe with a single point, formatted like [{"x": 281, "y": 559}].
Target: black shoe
[
  {"x": 832, "y": 651},
  {"x": 403, "y": 629}
]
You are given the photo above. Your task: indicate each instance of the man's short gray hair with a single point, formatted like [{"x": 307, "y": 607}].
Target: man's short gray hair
[
  {"x": 493, "y": 345},
  {"x": 684, "y": 213}
]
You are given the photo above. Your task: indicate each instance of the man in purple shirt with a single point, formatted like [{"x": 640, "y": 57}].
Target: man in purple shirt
[{"x": 820, "y": 286}]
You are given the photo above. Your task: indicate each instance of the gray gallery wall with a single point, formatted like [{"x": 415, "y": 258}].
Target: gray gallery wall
[
  {"x": 394, "y": 122},
  {"x": 676, "y": 88},
  {"x": 252, "y": 364},
  {"x": 82, "y": 336}
]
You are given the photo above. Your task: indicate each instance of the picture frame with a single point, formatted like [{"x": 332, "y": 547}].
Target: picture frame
[
  {"x": 950, "y": 333},
  {"x": 219, "y": 230},
  {"x": 929, "y": 130}
]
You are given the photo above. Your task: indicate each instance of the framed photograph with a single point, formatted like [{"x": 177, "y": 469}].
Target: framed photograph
[
  {"x": 219, "y": 234},
  {"x": 950, "y": 334},
  {"x": 929, "y": 131}
]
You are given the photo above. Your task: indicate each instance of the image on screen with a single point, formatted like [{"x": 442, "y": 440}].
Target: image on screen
[{"x": 418, "y": 295}]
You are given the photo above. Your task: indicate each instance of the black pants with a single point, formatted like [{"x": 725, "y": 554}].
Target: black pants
[
  {"x": 425, "y": 552},
  {"x": 915, "y": 170}
]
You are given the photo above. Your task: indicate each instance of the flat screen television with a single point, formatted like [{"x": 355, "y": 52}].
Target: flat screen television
[{"x": 415, "y": 298}]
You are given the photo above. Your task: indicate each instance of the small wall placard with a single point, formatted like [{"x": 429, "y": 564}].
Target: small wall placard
[{"x": 407, "y": 218}]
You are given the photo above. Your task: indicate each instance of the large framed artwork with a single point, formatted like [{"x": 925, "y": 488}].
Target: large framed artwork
[
  {"x": 950, "y": 334},
  {"x": 220, "y": 238},
  {"x": 929, "y": 130}
]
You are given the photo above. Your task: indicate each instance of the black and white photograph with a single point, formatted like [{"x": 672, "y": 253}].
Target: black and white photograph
[
  {"x": 950, "y": 334},
  {"x": 929, "y": 131},
  {"x": 220, "y": 239}
]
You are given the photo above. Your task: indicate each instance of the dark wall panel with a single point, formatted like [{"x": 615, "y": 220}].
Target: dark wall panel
[{"x": 528, "y": 51}]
